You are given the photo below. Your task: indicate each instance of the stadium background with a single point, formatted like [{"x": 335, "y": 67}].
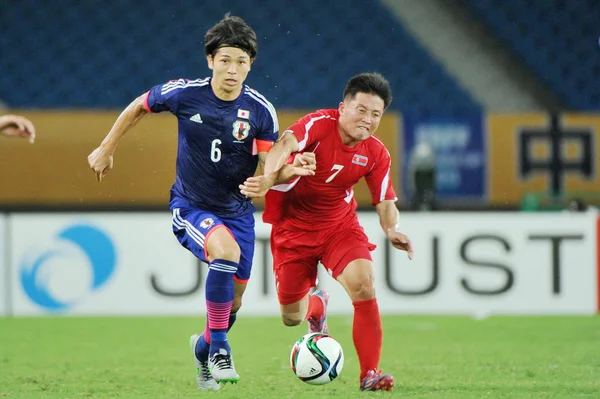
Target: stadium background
[
  {"x": 470, "y": 76},
  {"x": 501, "y": 92}
]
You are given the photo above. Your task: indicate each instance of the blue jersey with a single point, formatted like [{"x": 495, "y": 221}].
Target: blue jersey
[{"x": 218, "y": 142}]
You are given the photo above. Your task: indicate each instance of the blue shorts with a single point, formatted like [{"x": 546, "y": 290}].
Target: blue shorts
[{"x": 192, "y": 226}]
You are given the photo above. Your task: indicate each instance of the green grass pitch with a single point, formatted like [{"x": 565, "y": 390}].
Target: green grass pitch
[{"x": 430, "y": 357}]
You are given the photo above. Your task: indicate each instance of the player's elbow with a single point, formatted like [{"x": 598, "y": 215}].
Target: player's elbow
[
  {"x": 289, "y": 143},
  {"x": 139, "y": 105},
  {"x": 384, "y": 206}
]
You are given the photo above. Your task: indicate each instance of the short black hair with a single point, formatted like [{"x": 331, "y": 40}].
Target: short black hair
[
  {"x": 369, "y": 83},
  {"x": 231, "y": 31}
]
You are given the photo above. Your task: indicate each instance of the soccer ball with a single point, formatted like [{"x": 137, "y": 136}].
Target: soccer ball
[{"x": 317, "y": 358}]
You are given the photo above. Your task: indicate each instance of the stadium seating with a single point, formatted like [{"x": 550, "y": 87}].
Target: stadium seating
[
  {"x": 98, "y": 54},
  {"x": 557, "y": 39}
]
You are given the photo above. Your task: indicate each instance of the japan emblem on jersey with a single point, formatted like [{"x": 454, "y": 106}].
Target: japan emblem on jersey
[
  {"x": 241, "y": 130},
  {"x": 360, "y": 160},
  {"x": 242, "y": 113}
]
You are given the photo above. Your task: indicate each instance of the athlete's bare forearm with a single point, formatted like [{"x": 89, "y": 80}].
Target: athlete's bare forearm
[
  {"x": 388, "y": 218},
  {"x": 388, "y": 215},
  {"x": 279, "y": 154},
  {"x": 126, "y": 120},
  {"x": 286, "y": 174}
]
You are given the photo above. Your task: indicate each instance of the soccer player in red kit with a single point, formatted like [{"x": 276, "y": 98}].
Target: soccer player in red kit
[{"x": 314, "y": 217}]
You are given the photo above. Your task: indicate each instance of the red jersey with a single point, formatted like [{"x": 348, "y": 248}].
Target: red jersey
[{"x": 317, "y": 202}]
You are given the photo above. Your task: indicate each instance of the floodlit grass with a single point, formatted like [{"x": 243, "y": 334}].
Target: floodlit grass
[{"x": 430, "y": 357}]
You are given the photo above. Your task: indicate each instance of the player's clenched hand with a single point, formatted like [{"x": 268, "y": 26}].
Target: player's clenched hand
[
  {"x": 17, "y": 126},
  {"x": 256, "y": 186},
  {"x": 305, "y": 164},
  {"x": 101, "y": 161},
  {"x": 400, "y": 241}
]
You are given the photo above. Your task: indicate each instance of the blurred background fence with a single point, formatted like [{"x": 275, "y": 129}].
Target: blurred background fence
[{"x": 505, "y": 92}]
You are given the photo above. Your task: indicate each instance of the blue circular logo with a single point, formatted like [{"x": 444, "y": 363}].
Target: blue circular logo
[{"x": 96, "y": 246}]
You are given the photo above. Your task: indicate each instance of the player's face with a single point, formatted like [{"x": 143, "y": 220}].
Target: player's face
[
  {"x": 360, "y": 117},
  {"x": 230, "y": 66}
]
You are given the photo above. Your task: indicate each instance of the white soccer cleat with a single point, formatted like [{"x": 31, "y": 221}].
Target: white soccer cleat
[
  {"x": 204, "y": 378},
  {"x": 222, "y": 368}
]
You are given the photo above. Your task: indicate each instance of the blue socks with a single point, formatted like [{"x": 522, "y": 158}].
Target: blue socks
[{"x": 219, "y": 300}]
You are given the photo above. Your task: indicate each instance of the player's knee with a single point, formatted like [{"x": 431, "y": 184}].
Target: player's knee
[
  {"x": 229, "y": 251},
  {"x": 291, "y": 320},
  {"x": 361, "y": 288}
]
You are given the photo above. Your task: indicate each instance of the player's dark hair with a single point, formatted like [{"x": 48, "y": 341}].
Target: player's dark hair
[
  {"x": 231, "y": 31},
  {"x": 369, "y": 83}
]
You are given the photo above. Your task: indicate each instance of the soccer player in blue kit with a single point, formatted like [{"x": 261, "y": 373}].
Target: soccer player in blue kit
[{"x": 225, "y": 130}]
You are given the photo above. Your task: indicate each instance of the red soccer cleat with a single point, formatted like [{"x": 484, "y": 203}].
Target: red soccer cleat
[
  {"x": 376, "y": 381},
  {"x": 320, "y": 326}
]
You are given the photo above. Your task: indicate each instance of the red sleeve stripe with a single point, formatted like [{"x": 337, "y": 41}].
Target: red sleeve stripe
[
  {"x": 384, "y": 186},
  {"x": 263, "y": 145},
  {"x": 146, "y": 106}
]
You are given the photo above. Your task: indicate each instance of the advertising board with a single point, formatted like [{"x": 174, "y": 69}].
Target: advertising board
[{"x": 465, "y": 263}]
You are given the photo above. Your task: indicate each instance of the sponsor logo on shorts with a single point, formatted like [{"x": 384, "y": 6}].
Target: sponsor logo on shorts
[{"x": 206, "y": 223}]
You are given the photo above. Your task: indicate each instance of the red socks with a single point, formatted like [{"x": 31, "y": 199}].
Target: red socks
[
  {"x": 366, "y": 330},
  {"x": 367, "y": 334},
  {"x": 315, "y": 308}
]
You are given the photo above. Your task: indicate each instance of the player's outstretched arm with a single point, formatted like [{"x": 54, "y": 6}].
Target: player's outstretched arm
[
  {"x": 17, "y": 126},
  {"x": 274, "y": 162},
  {"x": 304, "y": 164},
  {"x": 388, "y": 218},
  {"x": 278, "y": 155},
  {"x": 257, "y": 186},
  {"x": 101, "y": 159}
]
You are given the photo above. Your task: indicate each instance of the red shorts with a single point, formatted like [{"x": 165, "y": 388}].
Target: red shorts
[{"x": 296, "y": 255}]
